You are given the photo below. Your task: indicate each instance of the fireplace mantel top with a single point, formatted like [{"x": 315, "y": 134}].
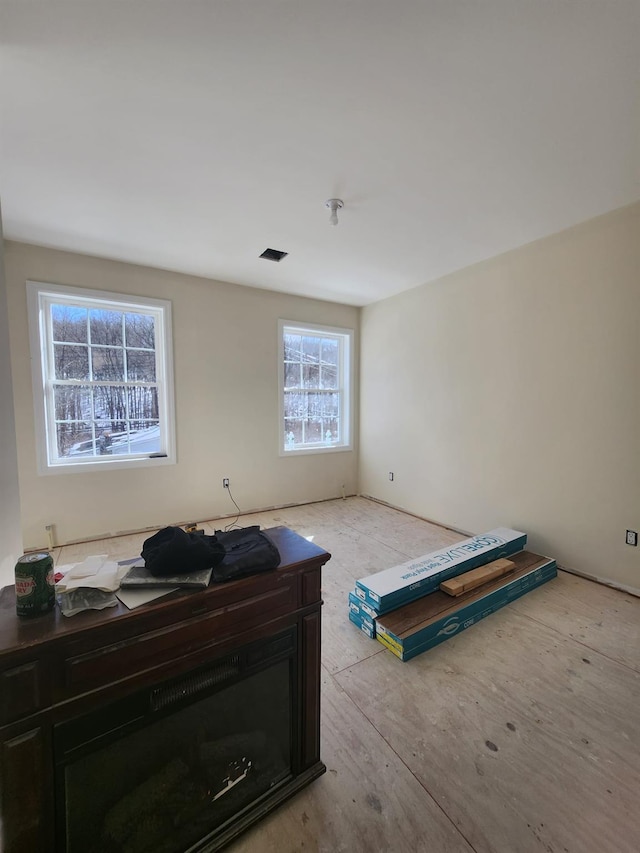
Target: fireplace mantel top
[{"x": 22, "y": 634}]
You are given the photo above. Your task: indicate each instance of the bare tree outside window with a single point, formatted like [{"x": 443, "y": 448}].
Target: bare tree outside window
[
  {"x": 102, "y": 374},
  {"x": 315, "y": 388},
  {"x": 113, "y": 352}
]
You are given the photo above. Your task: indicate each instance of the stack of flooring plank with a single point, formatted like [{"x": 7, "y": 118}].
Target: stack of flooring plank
[{"x": 412, "y": 607}]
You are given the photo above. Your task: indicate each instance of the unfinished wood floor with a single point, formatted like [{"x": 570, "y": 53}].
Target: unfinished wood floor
[{"x": 520, "y": 735}]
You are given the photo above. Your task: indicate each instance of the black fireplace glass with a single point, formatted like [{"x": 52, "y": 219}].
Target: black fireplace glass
[{"x": 164, "y": 781}]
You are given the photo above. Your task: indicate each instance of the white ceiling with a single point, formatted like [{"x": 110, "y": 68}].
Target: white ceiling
[{"x": 193, "y": 135}]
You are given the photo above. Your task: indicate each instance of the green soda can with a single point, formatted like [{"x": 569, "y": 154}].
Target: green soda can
[{"x": 35, "y": 585}]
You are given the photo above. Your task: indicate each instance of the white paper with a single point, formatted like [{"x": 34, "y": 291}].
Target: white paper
[
  {"x": 133, "y": 598},
  {"x": 95, "y": 572},
  {"x": 89, "y": 566}
]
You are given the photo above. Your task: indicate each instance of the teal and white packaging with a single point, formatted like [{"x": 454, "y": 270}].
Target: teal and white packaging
[
  {"x": 401, "y": 584},
  {"x": 366, "y": 626},
  {"x": 453, "y": 624},
  {"x": 360, "y": 607}
]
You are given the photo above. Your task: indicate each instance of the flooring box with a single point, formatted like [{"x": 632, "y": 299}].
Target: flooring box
[
  {"x": 423, "y": 624},
  {"x": 366, "y": 626},
  {"x": 360, "y": 607},
  {"x": 401, "y": 584},
  {"x": 360, "y": 616}
]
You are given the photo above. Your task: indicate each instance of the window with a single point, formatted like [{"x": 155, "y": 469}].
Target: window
[
  {"x": 102, "y": 378},
  {"x": 315, "y": 388}
]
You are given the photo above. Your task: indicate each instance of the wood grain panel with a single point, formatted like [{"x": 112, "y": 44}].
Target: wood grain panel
[
  {"x": 310, "y": 587},
  {"x": 19, "y": 691},
  {"x": 311, "y": 688},
  {"x": 22, "y": 801},
  {"x": 477, "y": 577},
  {"x": 131, "y": 656}
]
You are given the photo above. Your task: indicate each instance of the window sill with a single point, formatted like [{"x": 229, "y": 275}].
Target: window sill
[
  {"x": 105, "y": 465},
  {"x": 306, "y": 451}
]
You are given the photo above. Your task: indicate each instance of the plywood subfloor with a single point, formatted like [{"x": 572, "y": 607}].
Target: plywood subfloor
[{"x": 521, "y": 735}]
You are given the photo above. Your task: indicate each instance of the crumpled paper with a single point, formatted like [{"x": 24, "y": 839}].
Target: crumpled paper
[{"x": 94, "y": 572}]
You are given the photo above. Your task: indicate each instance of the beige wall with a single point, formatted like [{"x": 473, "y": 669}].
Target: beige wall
[
  {"x": 226, "y": 388},
  {"x": 10, "y": 534},
  {"x": 509, "y": 394}
]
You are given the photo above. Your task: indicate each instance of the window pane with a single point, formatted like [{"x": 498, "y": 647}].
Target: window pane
[
  {"x": 331, "y": 430},
  {"x": 295, "y": 404},
  {"x": 104, "y": 442},
  {"x": 72, "y": 403},
  {"x": 71, "y": 362},
  {"x": 138, "y": 426},
  {"x": 311, "y": 349},
  {"x": 139, "y": 331},
  {"x": 330, "y": 351},
  {"x": 111, "y": 437},
  {"x": 141, "y": 366},
  {"x": 69, "y": 323},
  {"x": 120, "y": 441},
  {"x": 292, "y": 432},
  {"x": 315, "y": 412},
  {"x": 291, "y": 375},
  {"x": 107, "y": 364},
  {"x": 110, "y": 403},
  {"x": 315, "y": 405},
  {"x": 99, "y": 375},
  {"x": 144, "y": 437},
  {"x": 292, "y": 347},
  {"x": 104, "y": 425},
  {"x": 116, "y": 429},
  {"x": 143, "y": 403},
  {"x": 75, "y": 439},
  {"x": 310, "y": 376},
  {"x": 330, "y": 405},
  {"x": 328, "y": 376},
  {"x": 106, "y": 326},
  {"x": 312, "y": 431}
]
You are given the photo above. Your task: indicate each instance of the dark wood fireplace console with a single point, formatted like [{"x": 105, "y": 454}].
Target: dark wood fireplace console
[{"x": 55, "y": 669}]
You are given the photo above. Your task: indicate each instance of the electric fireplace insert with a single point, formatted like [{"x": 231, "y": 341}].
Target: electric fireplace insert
[{"x": 164, "y": 768}]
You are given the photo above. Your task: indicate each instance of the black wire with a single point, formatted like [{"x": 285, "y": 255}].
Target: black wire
[{"x": 233, "y": 523}]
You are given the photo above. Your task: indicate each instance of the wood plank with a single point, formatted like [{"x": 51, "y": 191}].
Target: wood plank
[
  {"x": 477, "y": 577},
  {"x": 418, "y": 614},
  {"x": 526, "y": 742}
]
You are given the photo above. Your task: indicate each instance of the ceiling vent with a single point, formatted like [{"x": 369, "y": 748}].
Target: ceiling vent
[{"x": 273, "y": 255}]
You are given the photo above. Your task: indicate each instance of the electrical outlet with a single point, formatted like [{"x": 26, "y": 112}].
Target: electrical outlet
[
  {"x": 225, "y": 482},
  {"x": 391, "y": 476},
  {"x": 632, "y": 537}
]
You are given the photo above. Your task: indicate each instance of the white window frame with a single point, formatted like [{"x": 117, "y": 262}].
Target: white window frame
[
  {"x": 40, "y": 296},
  {"x": 345, "y": 385}
]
